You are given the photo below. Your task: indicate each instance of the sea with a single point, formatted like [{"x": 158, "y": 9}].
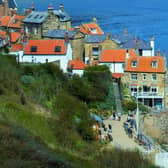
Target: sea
[{"x": 143, "y": 18}]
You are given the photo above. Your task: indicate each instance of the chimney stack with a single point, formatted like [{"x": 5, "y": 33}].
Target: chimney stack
[
  {"x": 127, "y": 54},
  {"x": 94, "y": 19},
  {"x": 61, "y": 7},
  {"x": 152, "y": 45},
  {"x": 66, "y": 37},
  {"x": 32, "y": 7},
  {"x": 125, "y": 31},
  {"x": 108, "y": 36},
  {"x": 50, "y": 9},
  {"x": 158, "y": 53}
]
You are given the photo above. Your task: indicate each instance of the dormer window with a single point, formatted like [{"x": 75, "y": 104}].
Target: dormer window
[
  {"x": 93, "y": 30},
  {"x": 154, "y": 64},
  {"x": 33, "y": 49},
  {"x": 15, "y": 21},
  {"x": 57, "y": 49},
  {"x": 134, "y": 63}
]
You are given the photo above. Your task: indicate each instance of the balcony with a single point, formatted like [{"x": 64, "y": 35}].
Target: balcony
[{"x": 148, "y": 94}]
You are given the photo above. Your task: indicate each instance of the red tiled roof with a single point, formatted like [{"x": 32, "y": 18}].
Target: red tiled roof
[
  {"x": 45, "y": 47},
  {"x": 15, "y": 36},
  {"x": 115, "y": 55},
  {"x": 117, "y": 75},
  {"x": 91, "y": 28},
  {"x": 12, "y": 21},
  {"x": 76, "y": 64},
  {"x": 17, "y": 47},
  {"x": 144, "y": 64}
]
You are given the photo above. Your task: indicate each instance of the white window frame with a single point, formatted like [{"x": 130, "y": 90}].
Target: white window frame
[
  {"x": 154, "y": 89},
  {"x": 154, "y": 77},
  {"x": 144, "y": 76},
  {"x": 134, "y": 76},
  {"x": 134, "y": 63},
  {"x": 133, "y": 89},
  {"x": 154, "y": 64}
]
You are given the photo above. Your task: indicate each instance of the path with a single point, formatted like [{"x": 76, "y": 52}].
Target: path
[
  {"x": 117, "y": 98},
  {"x": 120, "y": 138}
]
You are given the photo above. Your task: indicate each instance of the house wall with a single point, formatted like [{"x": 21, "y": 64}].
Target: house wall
[
  {"x": 107, "y": 44},
  {"x": 147, "y": 53},
  {"x": 78, "y": 46},
  {"x": 62, "y": 59},
  {"x": 52, "y": 22},
  {"x": 115, "y": 67},
  {"x": 77, "y": 72},
  {"x": 140, "y": 82}
]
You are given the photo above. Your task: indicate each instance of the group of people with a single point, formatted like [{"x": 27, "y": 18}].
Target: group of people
[
  {"x": 105, "y": 133},
  {"x": 129, "y": 125}
]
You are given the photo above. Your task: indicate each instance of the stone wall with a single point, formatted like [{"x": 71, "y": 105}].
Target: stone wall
[
  {"x": 107, "y": 44},
  {"x": 159, "y": 82}
]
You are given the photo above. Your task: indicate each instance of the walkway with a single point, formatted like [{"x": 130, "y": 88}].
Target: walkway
[
  {"x": 120, "y": 138},
  {"x": 117, "y": 98}
]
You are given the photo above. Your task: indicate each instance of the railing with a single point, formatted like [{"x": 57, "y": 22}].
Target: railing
[{"x": 147, "y": 94}]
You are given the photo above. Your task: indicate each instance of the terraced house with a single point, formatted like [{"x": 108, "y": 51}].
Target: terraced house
[
  {"x": 145, "y": 77},
  {"x": 37, "y": 23}
]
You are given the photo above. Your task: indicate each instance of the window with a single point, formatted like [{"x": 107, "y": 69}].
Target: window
[
  {"x": 93, "y": 30},
  {"x": 146, "y": 88},
  {"x": 133, "y": 88},
  {"x": 154, "y": 64},
  {"x": 35, "y": 30},
  {"x": 134, "y": 76},
  {"x": 33, "y": 49},
  {"x": 144, "y": 77},
  {"x": 154, "y": 89},
  {"x": 57, "y": 49},
  {"x": 140, "y": 52},
  {"x": 95, "y": 51},
  {"x": 134, "y": 63},
  {"x": 154, "y": 77}
]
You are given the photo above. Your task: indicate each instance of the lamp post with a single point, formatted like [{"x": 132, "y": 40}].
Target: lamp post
[{"x": 137, "y": 115}]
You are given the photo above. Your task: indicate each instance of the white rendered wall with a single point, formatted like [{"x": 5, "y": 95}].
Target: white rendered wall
[
  {"x": 78, "y": 72},
  {"x": 63, "y": 59},
  {"x": 147, "y": 53},
  {"x": 115, "y": 67}
]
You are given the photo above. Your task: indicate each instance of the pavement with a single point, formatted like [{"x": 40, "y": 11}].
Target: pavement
[{"x": 120, "y": 138}]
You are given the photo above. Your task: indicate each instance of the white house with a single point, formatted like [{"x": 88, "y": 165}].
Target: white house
[
  {"x": 42, "y": 51},
  {"x": 115, "y": 59},
  {"x": 77, "y": 67}
]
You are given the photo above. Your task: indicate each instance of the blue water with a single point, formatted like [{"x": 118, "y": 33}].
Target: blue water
[{"x": 141, "y": 17}]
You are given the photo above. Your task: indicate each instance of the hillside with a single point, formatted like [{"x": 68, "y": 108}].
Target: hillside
[{"x": 45, "y": 119}]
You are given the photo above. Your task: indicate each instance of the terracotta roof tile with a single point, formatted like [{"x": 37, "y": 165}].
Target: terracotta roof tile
[
  {"x": 115, "y": 55},
  {"x": 15, "y": 36},
  {"x": 144, "y": 64},
  {"x": 91, "y": 28},
  {"x": 45, "y": 47},
  {"x": 76, "y": 64},
  {"x": 117, "y": 75},
  {"x": 12, "y": 21},
  {"x": 16, "y": 47}
]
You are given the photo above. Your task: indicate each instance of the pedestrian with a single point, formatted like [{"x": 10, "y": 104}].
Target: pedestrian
[
  {"x": 119, "y": 116},
  {"x": 114, "y": 115},
  {"x": 105, "y": 129},
  {"x": 109, "y": 128},
  {"x": 110, "y": 137}
]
